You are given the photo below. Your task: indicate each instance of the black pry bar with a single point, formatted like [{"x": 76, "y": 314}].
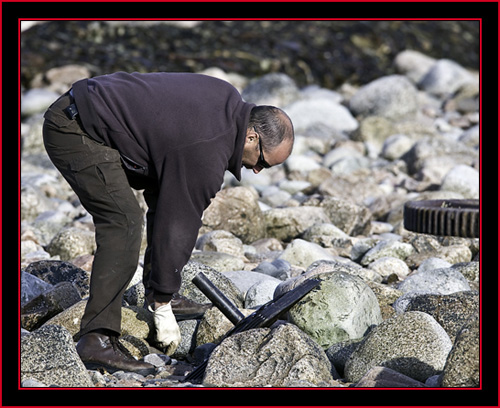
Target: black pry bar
[{"x": 265, "y": 316}]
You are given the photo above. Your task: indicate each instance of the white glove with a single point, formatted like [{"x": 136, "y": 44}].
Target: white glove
[{"x": 168, "y": 334}]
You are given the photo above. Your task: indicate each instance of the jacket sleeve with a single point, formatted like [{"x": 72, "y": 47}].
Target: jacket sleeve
[{"x": 189, "y": 179}]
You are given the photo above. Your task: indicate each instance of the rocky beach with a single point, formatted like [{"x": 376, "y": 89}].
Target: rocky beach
[{"x": 397, "y": 122}]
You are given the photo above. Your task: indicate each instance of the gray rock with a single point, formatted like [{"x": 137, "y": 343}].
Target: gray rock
[
  {"x": 450, "y": 311},
  {"x": 387, "y": 266},
  {"x": 429, "y": 153},
  {"x": 37, "y": 100},
  {"x": 188, "y": 338},
  {"x": 306, "y": 113},
  {"x": 33, "y": 202},
  {"x": 462, "y": 179},
  {"x": 135, "y": 295},
  {"x": 396, "y": 146},
  {"x": 71, "y": 242},
  {"x": 278, "y": 268},
  {"x": 261, "y": 293},
  {"x": 413, "y": 344},
  {"x": 235, "y": 210},
  {"x": 339, "y": 153},
  {"x": 301, "y": 163},
  {"x": 158, "y": 360},
  {"x": 244, "y": 280},
  {"x": 61, "y": 78},
  {"x": 55, "y": 272},
  {"x": 49, "y": 356},
  {"x": 339, "y": 353},
  {"x": 31, "y": 383},
  {"x": 274, "y": 89},
  {"x": 219, "y": 261},
  {"x": 220, "y": 241},
  {"x": 351, "y": 218},
  {"x": 70, "y": 318},
  {"x": 470, "y": 270},
  {"x": 413, "y": 64},
  {"x": 268, "y": 358},
  {"x": 387, "y": 248},
  {"x": 386, "y": 296},
  {"x": 49, "y": 223},
  {"x": 139, "y": 348},
  {"x": 48, "y": 304},
  {"x": 214, "y": 326},
  {"x": 392, "y": 97},
  {"x": 136, "y": 321},
  {"x": 358, "y": 188},
  {"x": 274, "y": 196},
  {"x": 463, "y": 364},
  {"x": 442, "y": 281},
  {"x": 325, "y": 235},
  {"x": 373, "y": 131},
  {"x": 286, "y": 224},
  {"x": 301, "y": 253},
  {"x": 383, "y": 377},
  {"x": 444, "y": 78},
  {"x": 343, "y": 308},
  {"x": 31, "y": 287},
  {"x": 433, "y": 263},
  {"x": 470, "y": 137},
  {"x": 223, "y": 283}
]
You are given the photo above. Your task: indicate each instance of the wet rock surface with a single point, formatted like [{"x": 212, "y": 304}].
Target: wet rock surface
[{"x": 387, "y": 134}]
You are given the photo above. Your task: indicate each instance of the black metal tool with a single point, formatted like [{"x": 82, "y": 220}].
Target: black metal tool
[
  {"x": 458, "y": 218},
  {"x": 265, "y": 316}
]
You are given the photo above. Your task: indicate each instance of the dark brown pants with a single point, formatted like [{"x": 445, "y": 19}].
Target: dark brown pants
[{"x": 95, "y": 173}]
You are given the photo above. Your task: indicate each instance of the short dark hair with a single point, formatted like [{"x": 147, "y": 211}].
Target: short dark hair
[{"x": 272, "y": 124}]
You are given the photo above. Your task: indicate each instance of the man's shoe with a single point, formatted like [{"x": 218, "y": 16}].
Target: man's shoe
[
  {"x": 186, "y": 309},
  {"x": 100, "y": 351}
]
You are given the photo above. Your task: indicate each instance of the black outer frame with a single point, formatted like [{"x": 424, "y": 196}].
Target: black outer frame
[{"x": 12, "y": 396}]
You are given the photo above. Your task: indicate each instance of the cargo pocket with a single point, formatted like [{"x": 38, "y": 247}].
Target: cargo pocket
[{"x": 98, "y": 170}]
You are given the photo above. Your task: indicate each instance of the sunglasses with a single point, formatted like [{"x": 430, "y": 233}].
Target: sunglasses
[{"x": 262, "y": 162}]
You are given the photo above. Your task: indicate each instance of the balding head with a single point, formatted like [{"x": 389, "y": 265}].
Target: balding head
[{"x": 273, "y": 125}]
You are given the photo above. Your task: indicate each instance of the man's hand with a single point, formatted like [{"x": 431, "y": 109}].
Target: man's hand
[{"x": 168, "y": 334}]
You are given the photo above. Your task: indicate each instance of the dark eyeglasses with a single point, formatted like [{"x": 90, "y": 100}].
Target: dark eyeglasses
[{"x": 262, "y": 162}]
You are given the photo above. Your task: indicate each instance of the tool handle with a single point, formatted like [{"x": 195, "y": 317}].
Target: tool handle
[{"x": 218, "y": 298}]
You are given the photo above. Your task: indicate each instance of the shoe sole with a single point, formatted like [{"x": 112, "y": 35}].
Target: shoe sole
[
  {"x": 96, "y": 366},
  {"x": 192, "y": 316}
]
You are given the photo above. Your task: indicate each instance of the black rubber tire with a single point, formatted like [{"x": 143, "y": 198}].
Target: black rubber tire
[{"x": 457, "y": 218}]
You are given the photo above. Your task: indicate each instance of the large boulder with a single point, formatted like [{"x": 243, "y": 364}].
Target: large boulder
[
  {"x": 71, "y": 242},
  {"x": 342, "y": 308},
  {"x": 443, "y": 281},
  {"x": 54, "y": 272},
  {"x": 450, "y": 311},
  {"x": 235, "y": 210},
  {"x": 351, "y": 218},
  {"x": 302, "y": 253},
  {"x": 286, "y": 224},
  {"x": 462, "y": 366},
  {"x": 412, "y": 343},
  {"x": 393, "y": 97},
  {"x": 48, "y": 355},
  {"x": 224, "y": 284},
  {"x": 281, "y": 357}
]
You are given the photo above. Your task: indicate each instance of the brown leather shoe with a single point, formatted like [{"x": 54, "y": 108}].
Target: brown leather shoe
[
  {"x": 186, "y": 309},
  {"x": 100, "y": 351}
]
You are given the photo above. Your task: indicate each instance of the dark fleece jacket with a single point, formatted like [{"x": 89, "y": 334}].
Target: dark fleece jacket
[{"x": 179, "y": 130}]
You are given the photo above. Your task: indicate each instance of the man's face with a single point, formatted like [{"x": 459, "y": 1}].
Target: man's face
[{"x": 252, "y": 153}]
